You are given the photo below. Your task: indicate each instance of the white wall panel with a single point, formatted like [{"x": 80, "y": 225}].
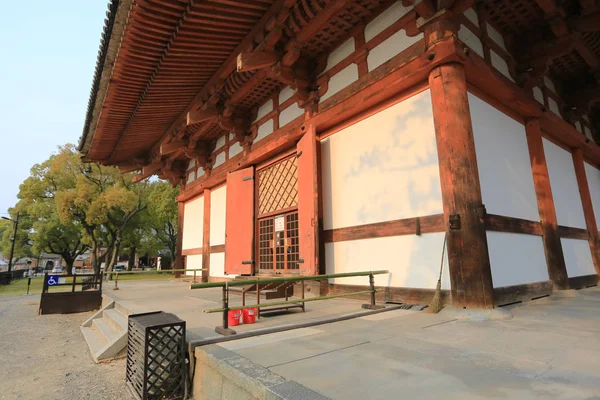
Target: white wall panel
[
  {"x": 387, "y": 49},
  {"x": 235, "y": 149},
  {"x": 193, "y": 262},
  {"x": 563, "y": 181},
  {"x": 538, "y": 95},
  {"x": 413, "y": 261},
  {"x": 516, "y": 259},
  {"x": 264, "y": 110},
  {"x": 220, "y": 159},
  {"x": 285, "y": 94},
  {"x": 578, "y": 257},
  {"x": 217, "y": 265},
  {"x": 339, "y": 54},
  {"x": 553, "y": 106},
  {"x": 289, "y": 114},
  {"x": 340, "y": 80},
  {"x": 217, "y": 216},
  {"x": 593, "y": 178},
  {"x": 264, "y": 130},
  {"x": 193, "y": 224},
  {"x": 472, "y": 16},
  {"x": 503, "y": 161},
  {"x": 495, "y": 36},
  {"x": 469, "y": 38},
  {"x": 385, "y": 19},
  {"x": 588, "y": 133},
  {"x": 382, "y": 168},
  {"x": 500, "y": 64}
]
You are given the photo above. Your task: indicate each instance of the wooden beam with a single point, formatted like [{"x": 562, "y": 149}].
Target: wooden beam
[
  {"x": 251, "y": 61},
  {"x": 555, "y": 260},
  {"x": 206, "y": 236},
  {"x": 171, "y": 147},
  {"x": 202, "y": 115},
  {"x": 588, "y": 208},
  {"x": 124, "y": 169},
  {"x": 147, "y": 171},
  {"x": 468, "y": 258},
  {"x": 179, "y": 263},
  {"x": 425, "y": 8}
]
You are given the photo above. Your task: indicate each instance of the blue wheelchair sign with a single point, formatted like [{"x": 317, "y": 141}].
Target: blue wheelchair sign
[{"x": 51, "y": 280}]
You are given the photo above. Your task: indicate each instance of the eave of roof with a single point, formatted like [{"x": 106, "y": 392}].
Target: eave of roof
[{"x": 112, "y": 33}]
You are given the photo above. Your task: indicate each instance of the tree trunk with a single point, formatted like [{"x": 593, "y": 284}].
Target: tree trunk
[
  {"x": 69, "y": 260},
  {"x": 131, "y": 262}
]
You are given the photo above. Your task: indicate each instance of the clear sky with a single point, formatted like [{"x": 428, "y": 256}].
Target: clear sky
[{"x": 48, "y": 53}]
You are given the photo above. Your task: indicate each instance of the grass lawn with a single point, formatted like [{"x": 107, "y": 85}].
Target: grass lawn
[{"x": 19, "y": 286}]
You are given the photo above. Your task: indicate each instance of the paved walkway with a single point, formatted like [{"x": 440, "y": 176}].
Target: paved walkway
[{"x": 549, "y": 349}]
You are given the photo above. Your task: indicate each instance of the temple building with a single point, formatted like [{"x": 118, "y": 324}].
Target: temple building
[{"x": 327, "y": 136}]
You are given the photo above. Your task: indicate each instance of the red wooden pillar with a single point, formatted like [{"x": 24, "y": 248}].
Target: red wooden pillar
[
  {"x": 206, "y": 237},
  {"x": 308, "y": 198},
  {"x": 555, "y": 259},
  {"x": 470, "y": 272},
  {"x": 588, "y": 208},
  {"x": 179, "y": 264}
]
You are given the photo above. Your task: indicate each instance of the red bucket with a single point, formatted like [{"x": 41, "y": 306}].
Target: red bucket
[
  {"x": 249, "y": 315},
  {"x": 233, "y": 317}
]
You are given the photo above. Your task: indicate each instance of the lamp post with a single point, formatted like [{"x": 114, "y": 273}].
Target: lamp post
[{"x": 14, "y": 239}]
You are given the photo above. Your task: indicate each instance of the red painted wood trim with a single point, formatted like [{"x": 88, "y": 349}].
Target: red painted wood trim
[
  {"x": 206, "y": 236},
  {"x": 179, "y": 261},
  {"x": 572, "y": 233},
  {"x": 193, "y": 252},
  {"x": 219, "y": 248},
  {"x": 468, "y": 257},
  {"x": 501, "y": 223},
  {"x": 588, "y": 208},
  {"x": 555, "y": 260},
  {"x": 399, "y": 227}
]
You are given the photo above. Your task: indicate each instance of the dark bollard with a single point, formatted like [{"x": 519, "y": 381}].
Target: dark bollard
[
  {"x": 372, "y": 306},
  {"x": 224, "y": 330}
]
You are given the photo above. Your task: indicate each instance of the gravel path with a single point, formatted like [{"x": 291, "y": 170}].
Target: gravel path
[{"x": 46, "y": 357}]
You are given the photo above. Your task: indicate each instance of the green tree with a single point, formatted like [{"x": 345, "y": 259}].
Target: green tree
[
  {"x": 162, "y": 215},
  {"x": 23, "y": 244}
]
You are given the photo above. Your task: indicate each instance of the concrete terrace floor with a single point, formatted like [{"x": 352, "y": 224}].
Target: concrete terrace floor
[{"x": 547, "y": 349}]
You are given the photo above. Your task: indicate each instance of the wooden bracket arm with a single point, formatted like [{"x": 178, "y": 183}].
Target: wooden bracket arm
[
  {"x": 252, "y": 61},
  {"x": 204, "y": 114}
]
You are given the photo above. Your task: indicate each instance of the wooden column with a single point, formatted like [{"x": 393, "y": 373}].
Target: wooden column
[
  {"x": 468, "y": 257},
  {"x": 588, "y": 208},
  {"x": 179, "y": 264},
  {"x": 555, "y": 260},
  {"x": 206, "y": 237}
]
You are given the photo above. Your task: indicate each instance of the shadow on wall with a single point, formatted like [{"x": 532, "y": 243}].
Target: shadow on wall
[{"x": 384, "y": 168}]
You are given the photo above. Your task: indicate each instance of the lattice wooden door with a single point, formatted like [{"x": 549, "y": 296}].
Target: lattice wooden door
[{"x": 278, "y": 239}]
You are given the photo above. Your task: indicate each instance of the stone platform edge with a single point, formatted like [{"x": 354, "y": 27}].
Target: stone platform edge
[{"x": 222, "y": 374}]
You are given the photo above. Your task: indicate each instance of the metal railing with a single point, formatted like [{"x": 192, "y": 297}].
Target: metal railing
[
  {"x": 292, "y": 280},
  {"x": 154, "y": 271}
]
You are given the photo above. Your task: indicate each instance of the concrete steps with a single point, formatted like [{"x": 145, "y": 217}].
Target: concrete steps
[{"x": 106, "y": 332}]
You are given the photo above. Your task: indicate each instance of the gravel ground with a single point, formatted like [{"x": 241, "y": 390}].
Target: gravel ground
[{"x": 46, "y": 357}]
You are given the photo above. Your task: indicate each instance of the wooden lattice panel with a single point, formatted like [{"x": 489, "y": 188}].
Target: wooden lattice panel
[
  {"x": 514, "y": 16},
  {"x": 568, "y": 66},
  {"x": 278, "y": 186}
]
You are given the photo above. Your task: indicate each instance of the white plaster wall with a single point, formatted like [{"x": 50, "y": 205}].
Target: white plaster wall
[
  {"x": 578, "y": 126},
  {"x": 339, "y": 54},
  {"x": 217, "y": 265},
  {"x": 549, "y": 84},
  {"x": 235, "y": 149},
  {"x": 340, "y": 80},
  {"x": 382, "y": 168},
  {"x": 495, "y": 36},
  {"x": 472, "y": 16},
  {"x": 289, "y": 114},
  {"x": 199, "y": 172},
  {"x": 264, "y": 130},
  {"x": 217, "y": 216},
  {"x": 553, "y": 106},
  {"x": 264, "y": 110},
  {"x": 470, "y": 40},
  {"x": 538, "y": 95},
  {"x": 516, "y": 259},
  {"x": 191, "y": 163},
  {"x": 385, "y": 19},
  {"x": 413, "y": 261},
  {"x": 194, "y": 262},
  {"x": 501, "y": 65},
  {"x": 578, "y": 257},
  {"x": 220, "y": 142},
  {"x": 193, "y": 224},
  {"x": 387, "y": 49},
  {"x": 191, "y": 176},
  {"x": 588, "y": 133},
  {"x": 563, "y": 181},
  {"x": 286, "y": 93},
  {"x": 220, "y": 159},
  {"x": 593, "y": 178},
  {"x": 503, "y": 161}
]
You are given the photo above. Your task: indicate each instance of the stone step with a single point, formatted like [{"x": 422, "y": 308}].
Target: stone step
[
  {"x": 95, "y": 340},
  {"x": 115, "y": 319},
  {"x": 106, "y": 330}
]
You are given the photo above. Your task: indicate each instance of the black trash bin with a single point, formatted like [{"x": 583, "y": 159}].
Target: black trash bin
[{"x": 156, "y": 356}]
